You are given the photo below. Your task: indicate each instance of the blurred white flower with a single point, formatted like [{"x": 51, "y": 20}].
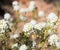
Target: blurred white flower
[
  {"x": 7, "y": 16},
  {"x": 41, "y": 14},
  {"x": 52, "y": 17},
  {"x": 33, "y": 22},
  {"x": 31, "y": 6},
  {"x": 23, "y": 18},
  {"x": 14, "y": 45},
  {"x": 15, "y": 3},
  {"x": 39, "y": 26},
  {"x": 57, "y": 44},
  {"x": 16, "y": 7},
  {"x": 23, "y": 47},
  {"x": 52, "y": 39},
  {"x": 14, "y": 36},
  {"x": 50, "y": 31},
  {"x": 27, "y": 27},
  {"x": 24, "y": 10}
]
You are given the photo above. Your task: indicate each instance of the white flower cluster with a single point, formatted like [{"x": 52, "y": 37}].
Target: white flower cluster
[
  {"x": 52, "y": 18},
  {"x": 39, "y": 26},
  {"x": 23, "y": 47},
  {"x": 29, "y": 26},
  {"x": 3, "y": 26},
  {"x": 54, "y": 40},
  {"x": 7, "y": 18},
  {"x": 33, "y": 24},
  {"x": 15, "y": 5},
  {"x": 4, "y": 23},
  {"x": 30, "y": 8}
]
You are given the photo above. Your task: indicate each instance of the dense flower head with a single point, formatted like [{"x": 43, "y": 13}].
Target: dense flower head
[
  {"x": 52, "y": 17},
  {"x": 7, "y": 16},
  {"x": 52, "y": 39},
  {"x": 27, "y": 27},
  {"x": 3, "y": 25},
  {"x": 39, "y": 26}
]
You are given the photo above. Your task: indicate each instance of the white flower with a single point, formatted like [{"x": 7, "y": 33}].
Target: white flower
[
  {"x": 52, "y": 17},
  {"x": 41, "y": 14},
  {"x": 52, "y": 39},
  {"x": 50, "y": 32},
  {"x": 27, "y": 27},
  {"x": 33, "y": 22},
  {"x": 31, "y": 6},
  {"x": 23, "y": 18},
  {"x": 14, "y": 45},
  {"x": 24, "y": 10},
  {"x": 3, "y": 25},
  {"x": 39, "y": 26},
  {"x": 23, "y": 47},
  {"x": 50, "y": 24},
  {"x": 17, "y": 7},
  {"x": 15, "y": 3},
  {"x": 57, "y": 44},
  {"x": 7, "y": 16},
  {"x": 14, "y": 36}
]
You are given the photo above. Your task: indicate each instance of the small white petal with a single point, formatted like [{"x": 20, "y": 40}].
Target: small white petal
[{"x": 23, "y": 47}]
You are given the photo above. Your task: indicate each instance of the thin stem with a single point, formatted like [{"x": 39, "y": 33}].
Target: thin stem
[{"x": 44, "y": 43}]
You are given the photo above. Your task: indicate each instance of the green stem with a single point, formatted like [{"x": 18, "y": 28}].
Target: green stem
[{"x": 44, "y": 43}]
